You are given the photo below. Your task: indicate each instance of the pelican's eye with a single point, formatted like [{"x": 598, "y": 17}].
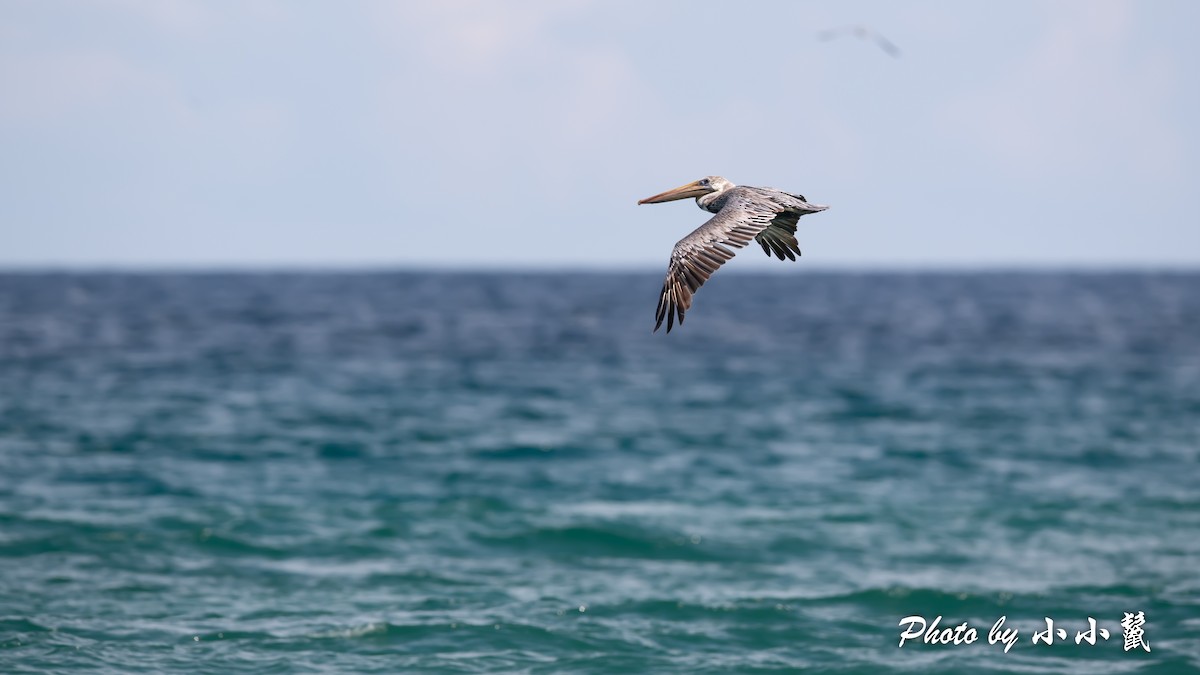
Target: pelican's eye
[{"x": 704, "y": 182}]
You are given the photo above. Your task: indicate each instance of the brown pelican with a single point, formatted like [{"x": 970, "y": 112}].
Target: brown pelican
[{"x": 765, "y": 215}]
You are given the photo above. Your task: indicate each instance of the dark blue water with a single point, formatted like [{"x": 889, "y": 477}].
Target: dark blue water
[{"x": 425, "y": 472}]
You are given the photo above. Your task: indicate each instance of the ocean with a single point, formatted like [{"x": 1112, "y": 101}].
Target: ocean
[{"x": 507, "y": 472}]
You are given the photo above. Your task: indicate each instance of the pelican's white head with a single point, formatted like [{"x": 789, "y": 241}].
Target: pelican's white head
[{"x": 698, "y": 189}]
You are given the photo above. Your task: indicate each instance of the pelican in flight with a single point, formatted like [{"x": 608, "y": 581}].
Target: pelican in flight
[{"x": 765, "y": 215}]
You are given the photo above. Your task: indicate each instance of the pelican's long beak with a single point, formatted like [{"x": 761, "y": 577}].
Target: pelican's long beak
[{"x": 692, "y": 189}]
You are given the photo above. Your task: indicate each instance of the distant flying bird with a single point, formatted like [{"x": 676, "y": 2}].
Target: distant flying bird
[
  {"x": 862, "y": 33},
  {"x": 765, "y": 215}
]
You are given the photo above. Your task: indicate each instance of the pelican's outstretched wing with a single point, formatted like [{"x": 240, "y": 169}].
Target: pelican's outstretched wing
[{"x": 769, "y": 216}]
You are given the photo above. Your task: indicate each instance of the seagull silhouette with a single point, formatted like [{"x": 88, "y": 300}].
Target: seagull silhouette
[{"x": 862, "y": 32}]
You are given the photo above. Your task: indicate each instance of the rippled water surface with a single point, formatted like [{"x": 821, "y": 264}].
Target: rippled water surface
[{"x": 425, "y": 472}]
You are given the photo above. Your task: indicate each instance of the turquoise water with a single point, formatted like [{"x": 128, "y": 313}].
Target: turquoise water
[{"x": 428, "y": 472}]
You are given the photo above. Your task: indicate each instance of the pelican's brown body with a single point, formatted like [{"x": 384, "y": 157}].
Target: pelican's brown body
[{"x": 765, "y": 215}]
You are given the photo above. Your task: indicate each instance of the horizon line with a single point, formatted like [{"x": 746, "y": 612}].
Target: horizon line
[{"x": 495, "y": 268}]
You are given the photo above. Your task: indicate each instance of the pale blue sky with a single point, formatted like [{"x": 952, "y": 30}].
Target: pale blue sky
[{"x": 508, "y": 134}]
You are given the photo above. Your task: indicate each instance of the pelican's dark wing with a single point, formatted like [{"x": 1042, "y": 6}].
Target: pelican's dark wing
[
  {"x": 780, "y": 237},
  {"x": 748, "y": 213}
]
